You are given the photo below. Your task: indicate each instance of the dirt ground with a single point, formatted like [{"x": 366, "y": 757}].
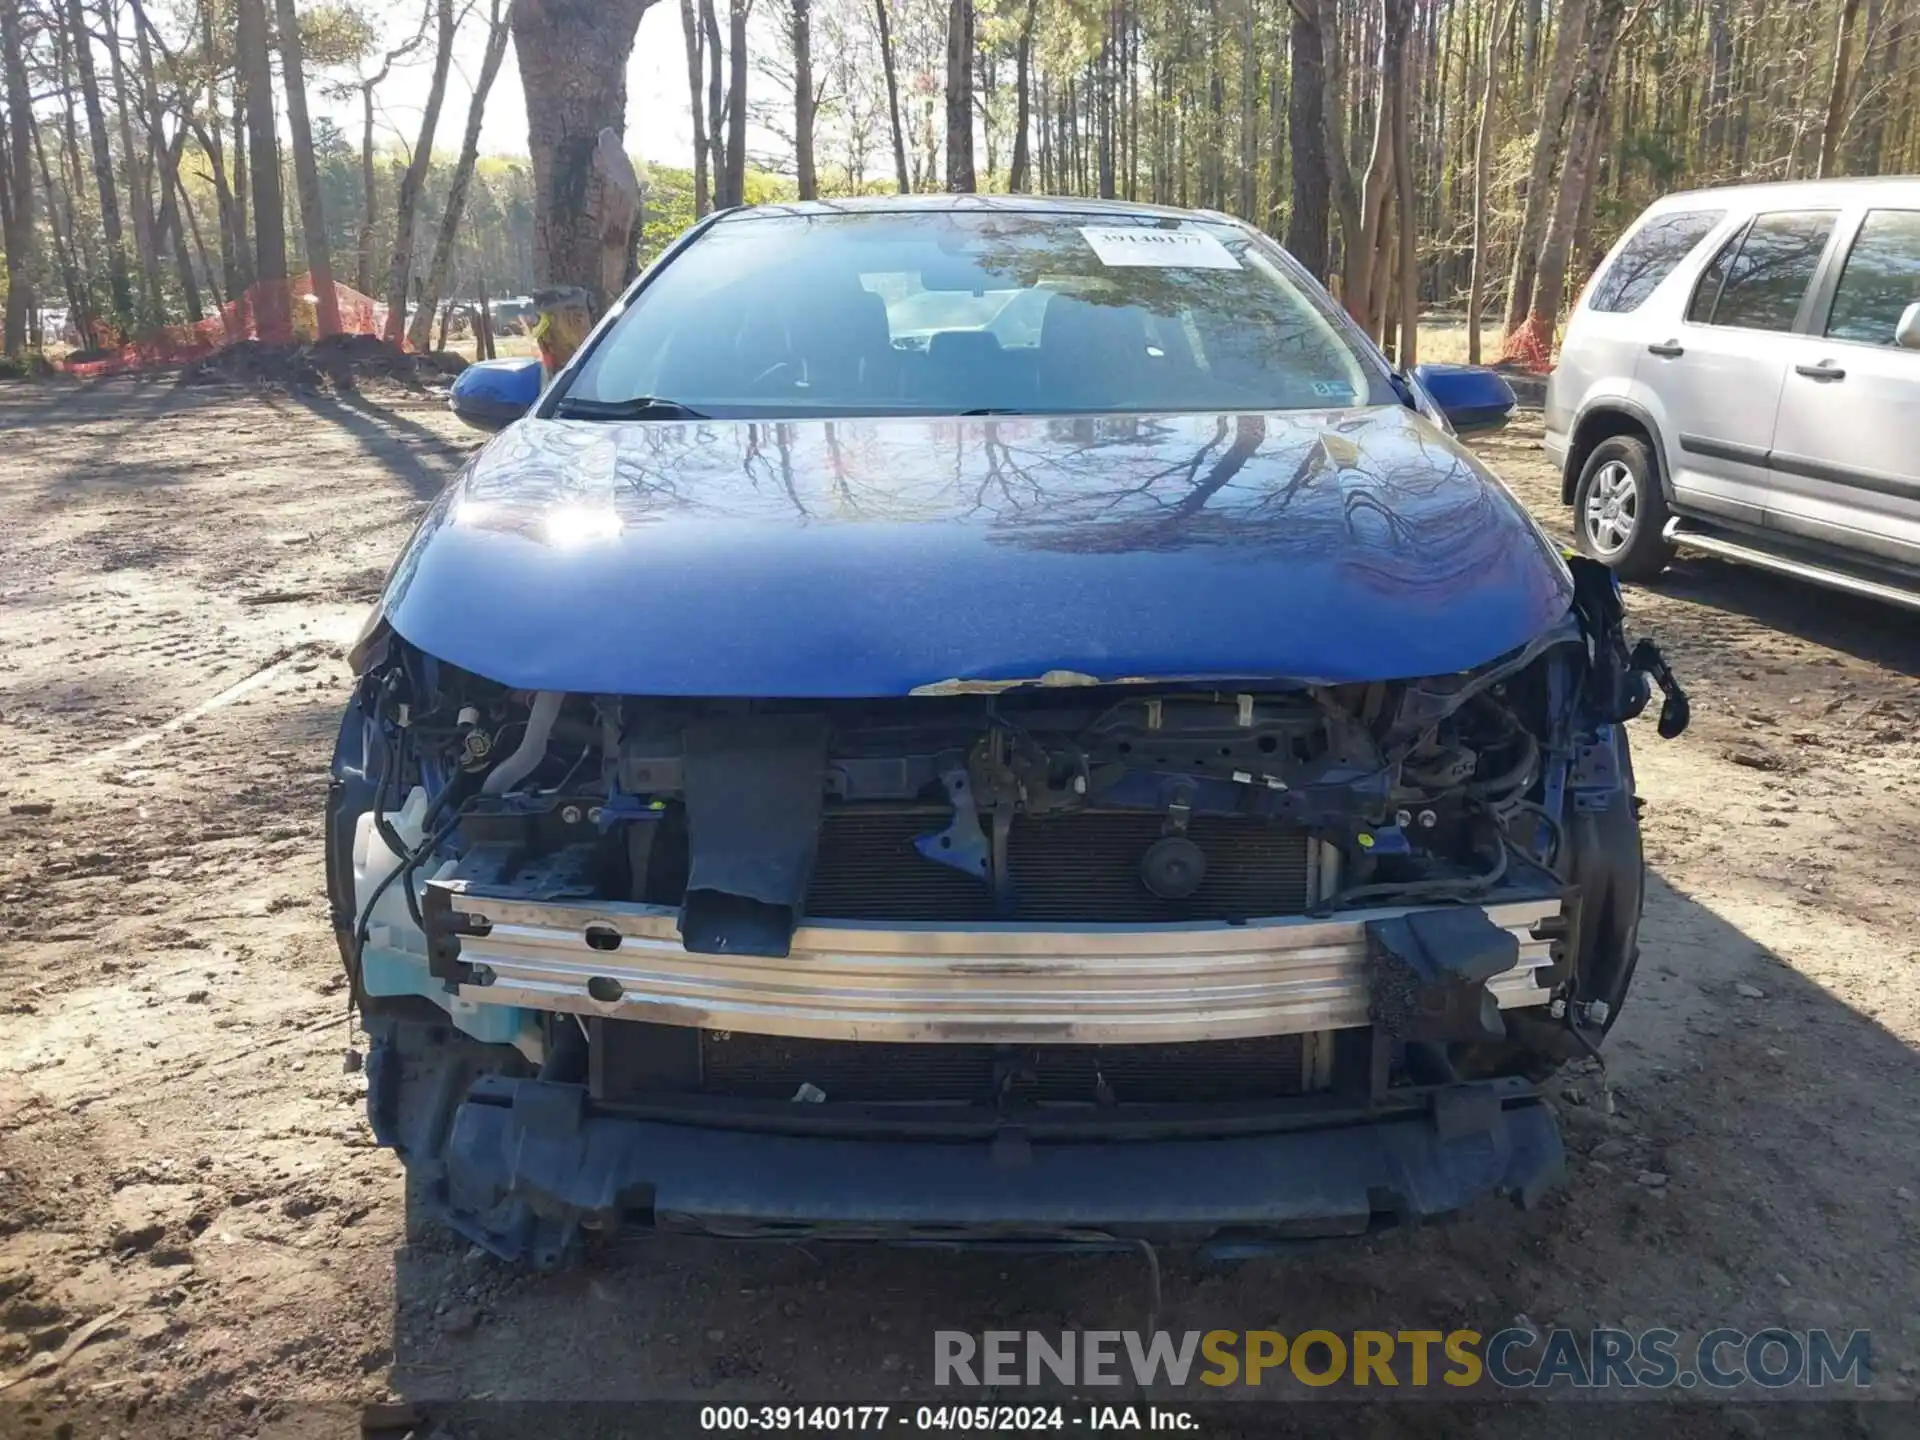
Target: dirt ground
[{"x": 198, "y": 1237}]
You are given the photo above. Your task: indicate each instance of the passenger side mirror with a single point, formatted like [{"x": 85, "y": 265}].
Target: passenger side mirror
[
  {"x": 1907, "y": 333},
  {"x": 492, "y": 394},
  {"x": 1472, "y": 397}
]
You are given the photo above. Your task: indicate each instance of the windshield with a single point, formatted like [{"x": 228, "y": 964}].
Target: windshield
[{"x": 956, "y": 313}]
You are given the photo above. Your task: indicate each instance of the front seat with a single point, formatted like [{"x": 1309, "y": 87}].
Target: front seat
[
  {"x": 844, "y": 344},
  {"x": 970, "y": 370},
  {"x": 1093, "y": 357}
]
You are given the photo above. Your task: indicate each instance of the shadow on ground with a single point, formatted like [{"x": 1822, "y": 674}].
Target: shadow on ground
[
  {"x": 1876, "y": 633},
  {"x": 420, "y": 456}
]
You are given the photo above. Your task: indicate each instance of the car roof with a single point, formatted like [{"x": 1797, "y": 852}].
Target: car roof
[
  {"x": 968, "y": 203},
  {"x": 1901, "y": 189}
]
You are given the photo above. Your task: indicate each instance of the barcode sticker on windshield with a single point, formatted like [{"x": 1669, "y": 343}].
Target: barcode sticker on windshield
[{"x": 1136, "y": 245}]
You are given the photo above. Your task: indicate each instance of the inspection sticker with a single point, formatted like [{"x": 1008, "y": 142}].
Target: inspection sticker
[{"x": 1136, "y": 245}]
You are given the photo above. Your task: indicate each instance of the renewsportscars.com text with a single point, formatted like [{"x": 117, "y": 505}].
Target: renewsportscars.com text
[{"x": 1511, "y": 1359}]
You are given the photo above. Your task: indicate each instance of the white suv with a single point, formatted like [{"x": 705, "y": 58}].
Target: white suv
[{"x": 1742, "y": 376}]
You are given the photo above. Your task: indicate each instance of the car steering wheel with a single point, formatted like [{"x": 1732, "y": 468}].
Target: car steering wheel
[{"x": 767, "y": 375}]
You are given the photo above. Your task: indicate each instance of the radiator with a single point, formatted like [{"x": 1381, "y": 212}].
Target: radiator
[
  {"x": 1079, "y": 868},
  {"x": 774, "y": 1067}
]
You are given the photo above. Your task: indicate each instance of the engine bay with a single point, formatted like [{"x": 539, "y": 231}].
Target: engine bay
[
  {"x": 916, "y": 867},
  {"x": 732, "y": 809}
]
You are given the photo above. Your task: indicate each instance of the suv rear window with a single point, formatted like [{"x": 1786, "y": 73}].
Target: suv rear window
[
  {"x": 1654, "y": 252},
  {"x": 1759, "y": 278},
  {"x": 1881, "y": 280}
]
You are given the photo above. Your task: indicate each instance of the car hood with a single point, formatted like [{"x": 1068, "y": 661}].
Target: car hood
[{"x": 892, "y": 556}]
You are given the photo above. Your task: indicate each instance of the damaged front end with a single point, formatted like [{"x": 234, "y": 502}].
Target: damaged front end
[{"x": 1228, "y": 965}]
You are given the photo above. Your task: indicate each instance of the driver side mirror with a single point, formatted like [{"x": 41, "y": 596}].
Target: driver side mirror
[
  {"x": 492, "y": 394},
  {"x": 1907, "y": 333},
  {"x": 1472, "y": 397}
]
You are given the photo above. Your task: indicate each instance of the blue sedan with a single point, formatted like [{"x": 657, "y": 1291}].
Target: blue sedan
[{"x": 981, "y": 719}]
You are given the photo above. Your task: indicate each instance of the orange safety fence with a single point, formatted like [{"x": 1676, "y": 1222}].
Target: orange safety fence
[
  {"x": 293, "y": 310},
  {"x": 1529, "y": 346}
]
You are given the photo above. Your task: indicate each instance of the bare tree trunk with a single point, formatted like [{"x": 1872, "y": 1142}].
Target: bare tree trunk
[
  {"x": 1249, "y": 196},
  {"x": 960, "y": 96},
  {"x": 928, "y": 160},
  {"x": 1881, "y": 66},
  {"x": 1018, "y": 167},
  {"x": 1130, "y": 52},
  {"x": 1277, "y": 123},
  {"x": 1344, "y": 192},
  {"x": 242, "y": 231},
  {"x": 690, "y": 28},
  {"x": 119, "y": 277},
  {"x": 1530, "y": 47},
  {"x": 1546, "y": 156},
  {"x": 1836, "y": 125},
  {"x": 236, "y": 264},
  {"x": 1380, "y": 253},
  {"x": 483, "y": 325},
  {"x": 573, "y": 67},
  {"x": 166, "y": 154},
  {"x": 370, "y": 195},
  {"x": 1543, "y": 316},
  {"x": 1213, "y": 167},
  {"x": 273, "y": 316},
  {"x": 140, "y": 194},
  {"x": 1101, "y": 89},
  {"x": 1053, "y": 141},
  {"x": 1482, "y": 164},
  {"x": 716, "y": 101},
  {"x": 26, "y": 310},
  {"x": 737, "y": 14},
  {"x": 987, "y": 77},
  {"x": 171, "y": 226},
  {"x": 407, "y": 203},
  {"x": 1386, "y": 290},
  {"x": 442, "y": 263},
  {"x": 71, "y": 171},
  {"x": 233, "y": 239},
  {"x": 730, "y": 187},
  {"x": 1044, "y": 148},
  {"x": 199, "y": 242},
  {"x": 1368, "y": 298},
  {"x": 306, "y": 174},
  {"x": 803, "y": 100},
  {"x": 20, "y": 237},
  {"x": 1307, "y": 147},
  {"x": 1719, "y": 80},
  {"x": 369, "y": 175},
  {"x": 1579, "y": 262},
  {"x": 71, "y": 274},
  {"x": 892, "y": 70},
  {"x": 1407, "y": 350}
]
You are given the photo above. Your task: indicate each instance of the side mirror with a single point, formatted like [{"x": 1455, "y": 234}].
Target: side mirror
[
  {"x": 492, "y": 394},
  {"x": 1907, "y": 333},
  {"x": 1472, "y": 397}
]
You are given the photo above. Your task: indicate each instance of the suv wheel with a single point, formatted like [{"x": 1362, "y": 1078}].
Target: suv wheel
[{"x": 1618, "y": 509}]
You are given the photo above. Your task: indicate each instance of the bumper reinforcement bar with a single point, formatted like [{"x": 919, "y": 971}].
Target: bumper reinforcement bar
[{"x": 992, "y": 984}]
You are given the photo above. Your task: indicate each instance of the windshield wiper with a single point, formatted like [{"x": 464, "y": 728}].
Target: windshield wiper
[
  {"x": 994, "y": 410},
  {"x": 636, "y": 407}
]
